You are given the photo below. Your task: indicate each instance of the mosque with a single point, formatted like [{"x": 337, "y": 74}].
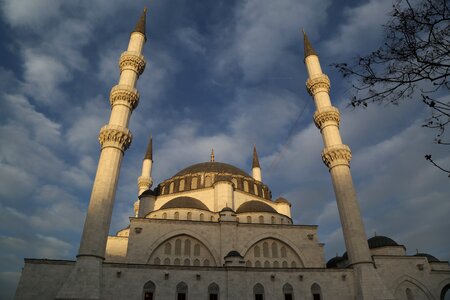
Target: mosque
[{"x": 213, "y": 231}]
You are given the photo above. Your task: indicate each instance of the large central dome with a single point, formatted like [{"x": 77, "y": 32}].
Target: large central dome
[{"x": 212, "y": 167}]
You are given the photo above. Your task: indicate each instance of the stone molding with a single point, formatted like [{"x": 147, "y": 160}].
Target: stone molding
[
  {"x": 124, "y": 95},
  {"x": 144, "y": 182},
  {"x": 115, "y": 136},
  {"x": 132, "y": 61},
  {"x": 318, "y": 84},
  {"x": 336, "y": 155},
  {"x": 327, "y": 116}
]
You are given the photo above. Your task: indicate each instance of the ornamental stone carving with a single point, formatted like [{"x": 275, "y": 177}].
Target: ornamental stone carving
[
  {"x": 318, "y": 84},
  {"x": 336, "y": 155},
  {"x": 144, "y": 182},
  {"x": 327, "y": 116},
  {"x": 115, "y": 136},
  {"x": 124, "y": 95},
  {"x": 132, "y": 61}
]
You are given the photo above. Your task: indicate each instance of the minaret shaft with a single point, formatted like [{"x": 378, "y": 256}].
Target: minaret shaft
[{"x": 337, "y": 157}]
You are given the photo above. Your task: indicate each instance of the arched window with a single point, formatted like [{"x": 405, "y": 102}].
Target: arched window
[
  {"x": 194, "y": 183},
  {"x": 283, "y": 251},
  {"x": 276, "y": 264},
  {"x": 207, "y": 181},
  {"x": 182, "y": 291},
  {"x": 257, "y": 251},
  {"x": 272, "y": 220},
  {"x": 213, "y": 291},
  {"x": 245, "y": 186},
  {"x": 316, "y": 292},
  {"x": 163, "y": 190},
  {"x": 234, "y": 181},
  {"x": 261, "y": 220},
  {"x": 288, "y": 292},
  {"x": 409, "y": 294},
  {"x": 171, "y": 187},
  {"x": 187, "y": 247},
  {"x": 181, "y": 187},
  {"x": 248, "y": 263},
  {"x": 176, "y": 262},
  {"x": 149, "y": 290},
  {"x": 258, "y": 264},
  {"x": 282, "y": 221},
  {"x": 167, "y": 261},
  {"x": 293, "y": 264},
  {"x": 187, "y": 262},
  {"x": 284, "y": 264},
  {"x": 263, "y": 193},
  {"x": 212, "y": 218},
  {"x": 197, "y": 250},
  {"x": 266, "y": 264},
  {"x": 274, "y": 250},
  {"x": 176, "y": 215},
  {"x": 168, "y": 249},
  {"x": 255, "y": 188},
  {"x": 157, "y": 261},
  {"x": 206, "y": 262},
  {"x": 164, "y": 215},
  {"x": 196, "y": 262},
  {"x": 202, "y": 217},
  {"x": 265, "y": 249},
  {"x": 249, "y": 219},
  {"x": 189, "y": 216},
  {"x": 258, "y": 291},
  {"x": 178, "y": 247}
]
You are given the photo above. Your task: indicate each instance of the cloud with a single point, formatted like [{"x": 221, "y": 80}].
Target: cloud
[
  {"x": 191, "y": 39},
  {"x": 361, "y": 28}
]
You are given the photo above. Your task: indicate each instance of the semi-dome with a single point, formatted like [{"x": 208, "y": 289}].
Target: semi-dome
[
  {"x": 429, "y": 257},
  {"x": 212, "y": 167},
  {"x": 333, "y": 263},
  {"x": 381, "y": 241},
  {"x": 255, "y": 206},
  {"x": 233, "y": 253},
  {"x": 185, "y": 202}
]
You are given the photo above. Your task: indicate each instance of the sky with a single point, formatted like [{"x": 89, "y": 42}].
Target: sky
[{"x": 220, "y": 74}]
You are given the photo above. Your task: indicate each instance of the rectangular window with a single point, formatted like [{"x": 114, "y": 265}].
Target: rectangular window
[
  {"x": 213, "y": 297},
  {"x": 181, "y": 296},
  {"x": 148, "y": 296},
  {"x": 259, "y": 297},
  {"x": 287, "y": 296}
]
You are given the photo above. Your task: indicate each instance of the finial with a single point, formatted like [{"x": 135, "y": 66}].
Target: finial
[
  {"x": 308, "y": 49},
  {"x": 255, "y": 163},
  {"x": 140, "y": 25},
  {"x": 375, "y": 233},
  {"x": 149, "y": 152},
  {"x": 212, "y": 155}
]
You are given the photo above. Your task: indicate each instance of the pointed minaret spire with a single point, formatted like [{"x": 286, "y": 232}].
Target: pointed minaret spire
[
  {"x": 256, "y": 168},
  {"x": 140, "y": 25},
  {"x": 145, "y": 180},
  {"x": 309, "y": 50},
  {"x": 149, "y": 152},
  {"x": 255, "y": 163},
  {"x": 212, "y": 155}
]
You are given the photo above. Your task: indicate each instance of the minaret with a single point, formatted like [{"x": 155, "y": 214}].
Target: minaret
[
  {"x": 256, "y": 168},
  {"x": 145, "y": 181},
  {"x": 336, "y": 157},
  {"x": 212, "y": 155},
  {"x": 115, "y": 138}
]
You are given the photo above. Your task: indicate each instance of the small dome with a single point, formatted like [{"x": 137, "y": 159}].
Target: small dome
[
  {"x": 185, "y": 202},
  {"x": 255, "y": 206},
  {"x": 226, "y": 208},
  {"x": 379, "y": 241},
  {"x": 233, "y": 253},
  {"x": 332, "y": 263},
  {"x": 429, "y": 257},
  {"x": 282, "y": 200},
  {"x": 212, "y": 167},
  {"x": 148, "y": 192}
]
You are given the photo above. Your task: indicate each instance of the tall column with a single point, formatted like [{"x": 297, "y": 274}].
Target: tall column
[
  {"x": 115, "y": 137},
  {"x": 256, "y": 168},
  {"x": 336, "y": 157}
]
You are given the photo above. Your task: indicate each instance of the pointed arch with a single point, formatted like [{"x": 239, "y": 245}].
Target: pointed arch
[
  {"x": 182, "y": 291},
  {"x": 288, "y": 292},
  {"x": 316, "y": 291},
  {"x": 213, "y": 291},
  {"x": 258, "y": 291},
  {"x": 149, "y": 290},
  {"x": 408, "y": 281}
]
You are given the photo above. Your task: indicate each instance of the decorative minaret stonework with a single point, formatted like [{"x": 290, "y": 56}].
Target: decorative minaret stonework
[
  {"x": 336, "y": 157},
  {"x": 256, "y": 168},
  {"x": 145, "y": 181},
  {"x": 115, "y": 137}
]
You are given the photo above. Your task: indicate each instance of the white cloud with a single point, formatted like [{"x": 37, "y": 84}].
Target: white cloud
[{"x": 191, "y": 39}]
